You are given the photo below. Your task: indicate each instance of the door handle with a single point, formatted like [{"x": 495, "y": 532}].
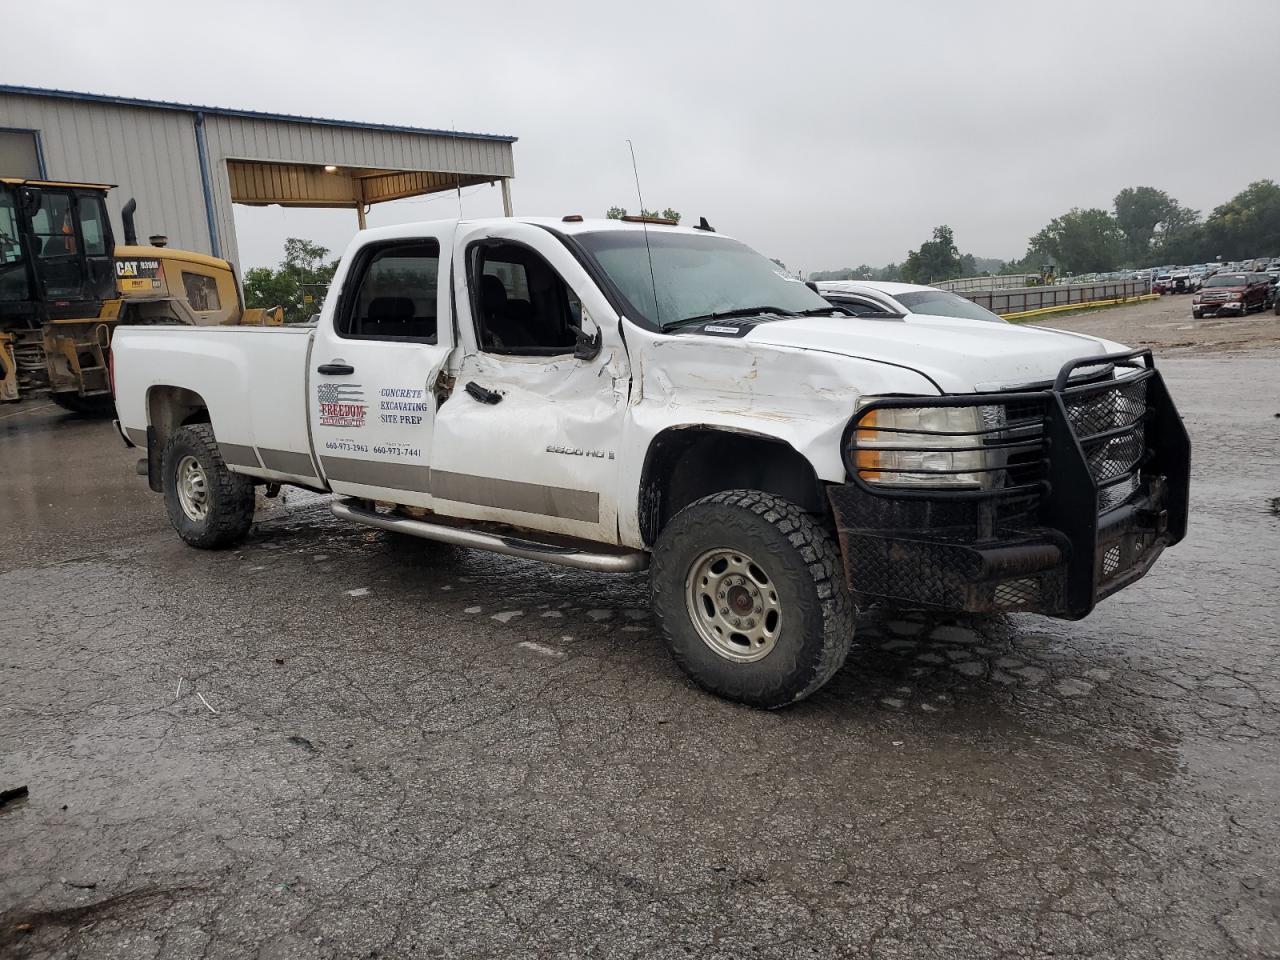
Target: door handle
[
  {"x": 483, "y": 395},
  {"x": 338, "y": 368}
]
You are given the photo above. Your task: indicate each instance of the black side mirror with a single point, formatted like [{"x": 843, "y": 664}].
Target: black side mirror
[{"x": 588, "y": 345}]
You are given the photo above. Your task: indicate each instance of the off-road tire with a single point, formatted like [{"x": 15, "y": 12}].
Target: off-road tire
[
  {"x": 100, "y": 405},
  {"x": 803, "y": 562},
  {"x": 230, "y": 495}
]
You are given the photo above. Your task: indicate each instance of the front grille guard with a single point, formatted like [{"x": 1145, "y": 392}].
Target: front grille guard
[{"x": 1066, "y": 457}]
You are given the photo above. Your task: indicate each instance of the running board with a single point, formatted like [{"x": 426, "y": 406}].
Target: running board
[{"x": 566, "y": 556}]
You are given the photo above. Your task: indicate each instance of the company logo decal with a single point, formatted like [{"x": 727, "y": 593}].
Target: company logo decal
[
  {"x": 341, "y": 404},
  {"x": 137, "y": 268}
]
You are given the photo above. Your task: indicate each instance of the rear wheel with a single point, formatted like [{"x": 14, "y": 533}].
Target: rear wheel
[
  {"x": 748, "y": 591},
  {"x": 208, "y": 505}
]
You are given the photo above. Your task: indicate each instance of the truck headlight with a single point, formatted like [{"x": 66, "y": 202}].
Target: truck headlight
[{"x": 922, "y": 447}]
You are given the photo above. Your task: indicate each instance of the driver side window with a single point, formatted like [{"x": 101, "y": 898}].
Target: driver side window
[{"x": 522, "y": 305}]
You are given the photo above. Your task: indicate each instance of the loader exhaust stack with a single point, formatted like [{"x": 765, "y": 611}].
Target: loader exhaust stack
[{"x": 126, "y": 216}]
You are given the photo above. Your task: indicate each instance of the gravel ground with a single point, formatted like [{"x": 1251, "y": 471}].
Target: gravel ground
[
  {"x": 330, "y": 743},
  {"x": 1167, "y": 326}
]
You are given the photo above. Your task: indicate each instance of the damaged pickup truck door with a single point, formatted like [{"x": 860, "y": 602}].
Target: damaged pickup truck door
[
  {"x": 530, "y": 433},
  {"x": 373, "y": 367}
]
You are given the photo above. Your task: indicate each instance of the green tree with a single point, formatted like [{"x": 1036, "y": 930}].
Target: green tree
[
  {"x": 305, "y": 270},
  {"x": 1139, "y": 210},
  {"x": 937, "y": 259},
  {"x": 1081, "y": 241},
  {"x": 617, "y": 213},
  {"x": 1180, "y": 238},
  {"x": 1247, "y": 225}
]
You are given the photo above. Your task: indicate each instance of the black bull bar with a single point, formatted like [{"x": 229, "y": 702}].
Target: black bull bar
[{"x": 1077, "y": 488}]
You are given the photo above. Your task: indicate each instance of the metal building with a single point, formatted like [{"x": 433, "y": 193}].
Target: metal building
[{"x": 186, "y": 165}]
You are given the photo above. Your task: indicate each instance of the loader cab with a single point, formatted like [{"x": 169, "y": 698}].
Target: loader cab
[{"x": 55, "y": 251}]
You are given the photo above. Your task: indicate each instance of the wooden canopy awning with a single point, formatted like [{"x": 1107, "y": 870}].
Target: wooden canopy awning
[{"x": 259, "y": 183}]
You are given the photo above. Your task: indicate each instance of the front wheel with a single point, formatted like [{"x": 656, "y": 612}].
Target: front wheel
[
  {"x": 749, "y": 594},
  {"x": 1197, "y": 314},
  {"x": 208, "y": 505}
]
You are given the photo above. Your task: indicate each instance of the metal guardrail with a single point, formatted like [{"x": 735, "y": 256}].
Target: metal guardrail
[
  {"x": 1008, "y": 281},
  {"x": 1064, "y": 294}
]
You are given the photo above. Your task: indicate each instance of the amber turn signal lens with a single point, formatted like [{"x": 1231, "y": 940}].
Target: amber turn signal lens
[{"x": 868, "y": 461}]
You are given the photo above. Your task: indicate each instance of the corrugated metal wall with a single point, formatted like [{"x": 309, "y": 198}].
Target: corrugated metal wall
[
  {"x": 150, "y": 154},
  {"x": 241, "y": 138}
]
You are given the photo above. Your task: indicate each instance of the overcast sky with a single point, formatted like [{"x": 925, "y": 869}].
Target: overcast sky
[{"x": 826, "y": 134}]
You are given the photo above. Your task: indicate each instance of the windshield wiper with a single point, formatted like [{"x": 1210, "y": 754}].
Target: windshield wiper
[{"x": 727, "y": 315}]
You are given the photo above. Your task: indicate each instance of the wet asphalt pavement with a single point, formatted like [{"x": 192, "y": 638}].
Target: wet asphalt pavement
[{"x": 330, "y": 743}]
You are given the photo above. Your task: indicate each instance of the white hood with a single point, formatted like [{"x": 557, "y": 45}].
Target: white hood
[{"x": 959, "y": 355}]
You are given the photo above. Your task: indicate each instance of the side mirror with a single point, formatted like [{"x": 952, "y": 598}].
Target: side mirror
[{"x": 589, "y": 344}]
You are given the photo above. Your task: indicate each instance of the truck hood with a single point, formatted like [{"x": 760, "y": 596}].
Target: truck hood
[{"x": 959, "y": 355}]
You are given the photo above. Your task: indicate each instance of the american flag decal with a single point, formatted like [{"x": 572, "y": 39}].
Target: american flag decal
[
  {"x": 339, "y": 393},
  {"x": 341, "y": 404}
]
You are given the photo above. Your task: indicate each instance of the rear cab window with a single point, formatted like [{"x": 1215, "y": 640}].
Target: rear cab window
[
  {"x": 202, "y": 292},
  {"x": 393, "y": 295}
]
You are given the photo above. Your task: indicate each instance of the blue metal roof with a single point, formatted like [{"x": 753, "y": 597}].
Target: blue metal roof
[{"x": 247, "y": 114}]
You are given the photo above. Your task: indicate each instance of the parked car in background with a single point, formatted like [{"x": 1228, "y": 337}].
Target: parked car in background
[
  {"x": 1233, "y": 293},
  {"x": 873, "y": 298},
  {"x": 1163, "y": 283}
]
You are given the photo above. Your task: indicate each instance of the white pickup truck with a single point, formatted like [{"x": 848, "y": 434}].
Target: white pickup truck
[{"x": 609, "y": 394}]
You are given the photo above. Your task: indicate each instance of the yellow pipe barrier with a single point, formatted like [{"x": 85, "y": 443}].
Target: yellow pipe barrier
[{"x": 1086, "y": 305}]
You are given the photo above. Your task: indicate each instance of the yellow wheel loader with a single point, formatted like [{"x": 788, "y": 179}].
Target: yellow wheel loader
[{"x": 65, "y": 286}]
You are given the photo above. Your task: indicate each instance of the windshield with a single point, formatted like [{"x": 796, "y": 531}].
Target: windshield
[
  {"x": 940, "y": 303},
  {"x": 695, "y": 276},
  {"x": 1227, "y": 280}
]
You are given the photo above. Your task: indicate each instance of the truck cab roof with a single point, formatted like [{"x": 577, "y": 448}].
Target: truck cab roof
[{"x": 560, "y": 224}]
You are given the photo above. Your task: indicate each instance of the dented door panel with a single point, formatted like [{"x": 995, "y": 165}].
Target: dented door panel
[{"x": 541, "y": 449}]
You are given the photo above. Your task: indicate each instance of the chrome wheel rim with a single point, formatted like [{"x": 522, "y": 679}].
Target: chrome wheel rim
[
  {"x": 193, "y": 488},
  {"x": 734, "y": 605}
]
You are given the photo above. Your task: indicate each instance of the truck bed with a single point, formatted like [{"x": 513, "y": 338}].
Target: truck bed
[{"x": 249, "y": 378}]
